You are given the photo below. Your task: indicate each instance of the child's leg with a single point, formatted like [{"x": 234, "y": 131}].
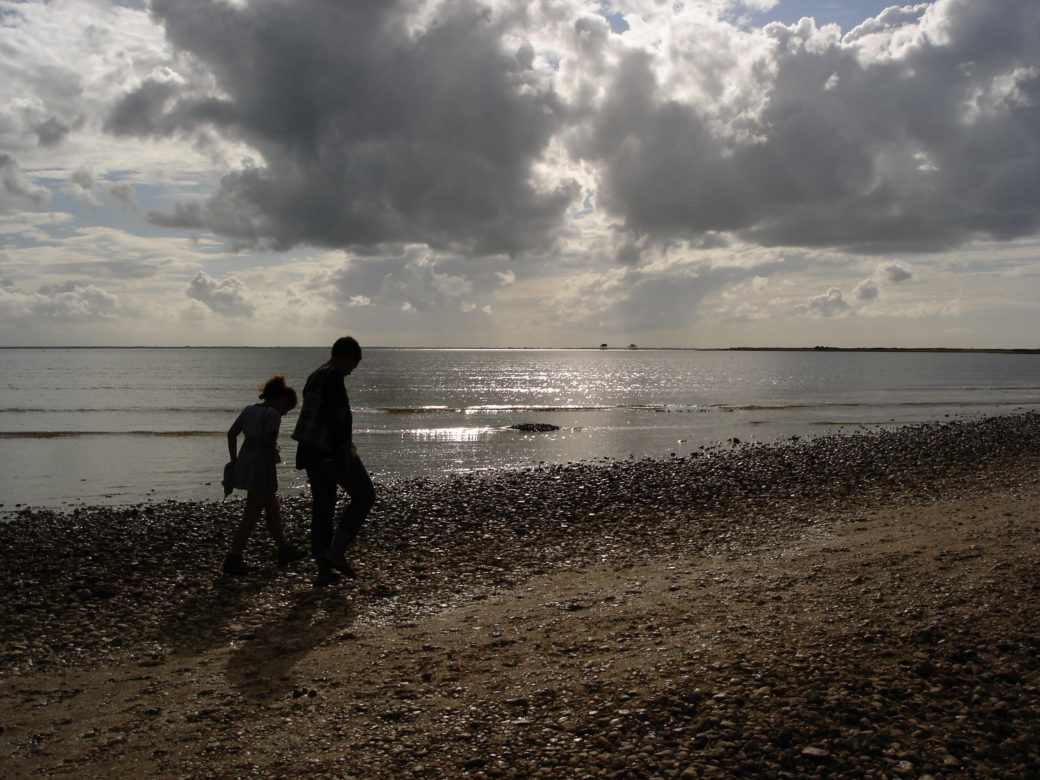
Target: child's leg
[
  {"x": 245, "y": 528},
  {"x": 273, "y": 514}
]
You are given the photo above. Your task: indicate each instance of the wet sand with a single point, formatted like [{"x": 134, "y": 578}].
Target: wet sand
[{"x": 859, "y": 606}]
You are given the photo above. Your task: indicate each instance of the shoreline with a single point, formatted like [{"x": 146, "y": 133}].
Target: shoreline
[
  {"x": 687, "y": 617},
  {"x": 294, "y": 485}
]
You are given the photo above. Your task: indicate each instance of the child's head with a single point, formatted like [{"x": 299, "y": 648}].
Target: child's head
[{"x": 278, "y": 394}]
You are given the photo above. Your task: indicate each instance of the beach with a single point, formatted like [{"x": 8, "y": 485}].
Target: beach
[{"x": 860, "y": 605}]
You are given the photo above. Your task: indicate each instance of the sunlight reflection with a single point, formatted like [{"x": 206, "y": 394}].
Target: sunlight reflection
[{"x": 451, "y": 434}]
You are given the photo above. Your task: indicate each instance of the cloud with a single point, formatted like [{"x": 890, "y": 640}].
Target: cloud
[
  {"x": 443, "y": 124},
  {"x": 16, "y": 189},
  {"x": 123, "y": 268},
  {"x": 830, "y": 304},
  {"x": 886, "y": 273},
  {"x": 227, "y": 298},
  {"x": 63, "y": 65},
  {"x": 84, "y": 187},
  {"x": 665, "y": 291},
  {"x": 81, "y": 187},
  {"x": 371, "y": 131},
  {"x": 568, "y": 165},
  {"x": 890, "y": 21},
  {"x": 833, "y": 303},
  {"x": 916, "y": 133},
  {"x": 867, "y": 290},
  {"x": 68, "y": 302},
  {"x": 894, "y": 272},
  {"x": 125, "y": 197},
  {"x": 52, "y": 131},
  {"x": 63, "y": 68},
  {"x": 427, "y": 281},
  {"x": 53, "y": 248}
]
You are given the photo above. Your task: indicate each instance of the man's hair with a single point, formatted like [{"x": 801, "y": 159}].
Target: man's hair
[{"x": 346, "y": 347}]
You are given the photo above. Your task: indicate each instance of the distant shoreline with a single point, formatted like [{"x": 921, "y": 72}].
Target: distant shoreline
[
  {"x": 939, "y": 350},
  {"x": 952, "y": 350}
]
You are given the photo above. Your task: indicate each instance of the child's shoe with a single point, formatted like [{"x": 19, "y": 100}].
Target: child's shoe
[{"x": 235, "y": 566}]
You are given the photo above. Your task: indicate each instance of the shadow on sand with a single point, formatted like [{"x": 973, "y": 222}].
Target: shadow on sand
[
  {"x": 268, "y": 623},
  {"x": 261, "y": 662}
]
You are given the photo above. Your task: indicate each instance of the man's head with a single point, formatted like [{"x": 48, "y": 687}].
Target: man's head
[{"x": 346, "y": 354}]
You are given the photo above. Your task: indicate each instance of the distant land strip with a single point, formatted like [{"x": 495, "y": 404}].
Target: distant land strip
[{"x": 983, "y": 350}]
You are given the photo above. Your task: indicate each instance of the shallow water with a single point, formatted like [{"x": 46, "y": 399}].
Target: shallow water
[{"x": 122, "y": 426}]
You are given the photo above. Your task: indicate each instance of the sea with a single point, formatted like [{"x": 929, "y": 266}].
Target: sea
[{"x": 125, "y": 426}]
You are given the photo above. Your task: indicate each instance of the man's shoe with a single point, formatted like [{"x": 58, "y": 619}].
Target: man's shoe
[
  {"x": 341, "y": 566},
  {"x": 326, "y": 576},
  {"x": 288, "y": 553}
]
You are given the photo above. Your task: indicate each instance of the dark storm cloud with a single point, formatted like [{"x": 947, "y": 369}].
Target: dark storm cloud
[
  {"x": 144, "y": 112},
  {"x": 405, "y": 123},
  {"x": 918, "y": 148},
  {"x": 368, "y": 132}
]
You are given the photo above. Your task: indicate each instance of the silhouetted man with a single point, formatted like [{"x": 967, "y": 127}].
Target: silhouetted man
[{"x": 324, "y": 433}]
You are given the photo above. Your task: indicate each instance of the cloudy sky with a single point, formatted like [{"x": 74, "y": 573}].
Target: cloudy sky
[{"x": 500, "y": 173}]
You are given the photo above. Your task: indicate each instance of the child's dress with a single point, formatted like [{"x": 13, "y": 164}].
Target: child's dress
[{"x": 250, "y": 471}]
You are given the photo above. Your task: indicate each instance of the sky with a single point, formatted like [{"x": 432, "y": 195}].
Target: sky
[{"x": 493, "y": 173}]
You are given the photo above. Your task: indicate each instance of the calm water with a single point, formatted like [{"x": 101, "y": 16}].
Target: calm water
[{"x": 128, "y": 425}]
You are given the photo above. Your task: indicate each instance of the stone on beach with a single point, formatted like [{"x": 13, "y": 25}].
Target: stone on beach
[{"x": 535, "y": 427}]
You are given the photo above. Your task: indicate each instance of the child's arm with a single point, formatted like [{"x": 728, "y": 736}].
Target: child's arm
[
  {"x": 271, "y": 459},
  {"x": 232, "y": 440}
]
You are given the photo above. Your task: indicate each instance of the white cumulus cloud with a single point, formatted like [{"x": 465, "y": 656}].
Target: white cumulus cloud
[{"x": 227, "y": 297}]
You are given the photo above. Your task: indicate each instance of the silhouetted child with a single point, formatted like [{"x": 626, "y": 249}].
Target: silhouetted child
[{"x": 253, "y": 469}]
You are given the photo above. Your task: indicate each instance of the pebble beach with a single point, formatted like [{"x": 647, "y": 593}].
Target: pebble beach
[{"x": 860, "y": 605}]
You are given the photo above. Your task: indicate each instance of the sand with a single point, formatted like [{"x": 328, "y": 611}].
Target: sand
[{"x": 854, "y": 606}]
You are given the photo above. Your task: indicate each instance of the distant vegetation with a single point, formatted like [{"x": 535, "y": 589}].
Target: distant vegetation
[{"x": 885, "y": 349}]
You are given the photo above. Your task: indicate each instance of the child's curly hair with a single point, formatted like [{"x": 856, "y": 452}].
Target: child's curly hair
[{"x": 276, "y": 387}]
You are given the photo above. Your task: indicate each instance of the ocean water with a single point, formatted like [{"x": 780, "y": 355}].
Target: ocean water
[{"x": 123, "y": 426}]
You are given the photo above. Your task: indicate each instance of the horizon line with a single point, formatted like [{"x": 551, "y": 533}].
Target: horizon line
[{"x": 599, "y": 348}]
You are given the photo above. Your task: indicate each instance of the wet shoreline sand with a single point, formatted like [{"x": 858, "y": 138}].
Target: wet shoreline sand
[{"x": 859, "y": 605}]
